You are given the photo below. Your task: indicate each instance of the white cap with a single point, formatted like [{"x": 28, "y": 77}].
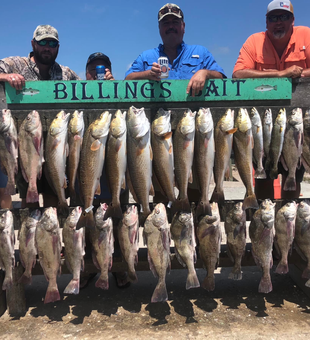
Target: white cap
[{"x": 284, "y": 5}]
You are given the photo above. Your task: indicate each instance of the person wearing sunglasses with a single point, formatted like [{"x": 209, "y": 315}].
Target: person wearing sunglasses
[
  {"x": 282, "y": 51},
  {"x": 39, "y": 65},
  {"x": 192, "y": 62}
]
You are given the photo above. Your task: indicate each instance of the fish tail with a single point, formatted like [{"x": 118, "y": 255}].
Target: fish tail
[
  {"x": 132, "y": 276},
  {"x": 282, "y": 268},
  {"x": 306, "y": 273},
  {"x": 52, "y": 294},
  {"x": 63, "y": 208},
  {"x": 73, "y": 287},
  {"x": 307, "y": 284},
  {"x": 192, "y": 281},
  {"x": 260, "y": 173},
  {"x": 32, "y": 195},
  {"x": 181, "y": 204},
  {"x": 290, "y": 184},
  {"x": 102, "y": 283},
  {"x": 250, "y": 202},
  {"x": 235, "y": 275},
  {"x": 25, "y": 279},
  {"x": 265, "y": 285},
  {"x": 218, "y": 196},
  {"x": 273, "y": 173},
  {"x": 160, "y": 293},
  {"x": 208, "y": 283},
  {"x": 7, "y": 282},
  {"x": 203, "y": 209},
  {"x": 114, "y": 210},
  {"x": 10, "y": 189},
  {"x": 86, "y": 220}
]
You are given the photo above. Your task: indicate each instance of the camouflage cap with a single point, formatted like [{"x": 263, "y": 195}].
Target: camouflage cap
[{"x": 44, "y": 32}]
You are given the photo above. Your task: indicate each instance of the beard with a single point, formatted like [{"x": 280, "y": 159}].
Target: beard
[
  {"x": 279, "y": 34},
  {"x": 45, "y": 57}
]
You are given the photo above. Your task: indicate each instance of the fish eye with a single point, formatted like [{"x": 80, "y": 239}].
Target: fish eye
[{"x": 156, "y": 211}]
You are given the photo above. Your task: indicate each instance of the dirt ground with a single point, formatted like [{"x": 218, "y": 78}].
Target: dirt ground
[{"x": 233, "y": 310}]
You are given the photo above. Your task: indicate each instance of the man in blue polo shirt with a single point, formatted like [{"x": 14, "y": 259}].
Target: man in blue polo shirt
[{"x": 192, "y": 62}]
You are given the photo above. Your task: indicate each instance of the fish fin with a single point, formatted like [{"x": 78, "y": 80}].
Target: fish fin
[
  {"x": 229, "y": 252},
  {"x": 95, "y": 145},
  {"x": 7, "y": 283},
  {"x": 186, "y": 144},
  {"x": 305, "y": 227},
  {"x": 26, "y": 280},
  {"x": 306, "y": 273},
  {"x": 273, "y": 174},
  {"x": 218, "y": 196},
  {"x": 55, "y": 143},
  {"x": 250, "y": 202},
  {"x": 283, "y": 163},
  {"x": 151, "y": 264},
  {"x": 98, "y": 190},
  {"x": 166, "y": 239},
  {"x": 37, "y": 143},
  {"x": 167, "y": 135},
  {"x": 24, "y": 173},
  {"x": 297, "y": 138},
  {"x": 257, "y": 129},
  {"x": 260, "y": 173},
  {"x": 290, "y": 184},
  {"x": 160, "y": 293},
  {"x": 118, "y": 145},
  {"x": 132, "y": 276},
  {"x": 203, "y": 209},
  {"x": 170, "y": 149},
  {"x": 86, "y": 220},
  {"x": 151, "y": 153},
  {"x": 190, "y": 177},
  {"x": 32, "y": 195},
  {"x": 103, "y": 284},
  {"x": 28, "y": 239},
  {"x": 299, "y": 252},
  {"x": 77, "y": 137},
  {"x": 179, "y": 258},
  {"x": 231, "y": 131},
  {"x": 282, "y": 268},
  {"x": 130, "y": 186},
  {"x": 73, "y": 287},
  {"x": 52, "y": 294},
  {"x": 236, "y": 231},
  {"x": 208, "y": 284},
  {"x": 65, "y": 184},
  {"x": 208, "y": 231},
  {"x": 123, "y": 183},
  {"x": 265, "y": 286},
  {"x": 152, "y": 191}
]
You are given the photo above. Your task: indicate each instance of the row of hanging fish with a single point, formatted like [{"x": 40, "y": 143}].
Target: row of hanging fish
[{"x": 289, "y": 227}]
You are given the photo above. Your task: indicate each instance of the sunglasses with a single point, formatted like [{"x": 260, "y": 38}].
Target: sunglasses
[
  {"x": 173, "y": 9},
  {"x": 51, "y": 43},
  {"x": 282, "y": 17}
]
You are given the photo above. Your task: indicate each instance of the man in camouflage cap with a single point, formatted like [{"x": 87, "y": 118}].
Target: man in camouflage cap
[{"x": 39, "y": 65}]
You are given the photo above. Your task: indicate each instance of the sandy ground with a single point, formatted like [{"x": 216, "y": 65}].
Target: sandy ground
[{"x": 234, "y": 310}]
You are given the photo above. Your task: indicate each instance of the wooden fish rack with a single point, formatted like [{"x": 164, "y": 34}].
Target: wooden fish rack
[{"x": 298, "y": 96}]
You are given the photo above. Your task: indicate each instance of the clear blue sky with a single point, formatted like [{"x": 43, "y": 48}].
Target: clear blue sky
[{"x": 123, "y": 29}]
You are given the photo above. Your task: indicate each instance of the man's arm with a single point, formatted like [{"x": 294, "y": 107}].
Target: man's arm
[
  {"x": 197, "y": 82},
  {"x": 291, "y": 72},
  {"x": 152, "y": 74},
  {"x": 7, "y": 74}
]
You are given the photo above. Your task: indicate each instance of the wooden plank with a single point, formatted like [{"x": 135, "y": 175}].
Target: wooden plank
[
  {"x": 295, "y": 273},
  {"x": 82, "y": 91},
  {"x": 16, "y": 300},
  {"x": 2, "y": 294}
]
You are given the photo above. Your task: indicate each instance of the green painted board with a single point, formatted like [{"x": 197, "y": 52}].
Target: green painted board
[{"x": 148, "y": 91}]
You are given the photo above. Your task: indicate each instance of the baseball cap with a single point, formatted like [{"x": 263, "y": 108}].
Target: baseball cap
[
  {"x": 44, "y": 32},
  {"x": 284, "y": 5},
  {"x": 103, "y": 57},
  {"x": 170, "y": 9}
]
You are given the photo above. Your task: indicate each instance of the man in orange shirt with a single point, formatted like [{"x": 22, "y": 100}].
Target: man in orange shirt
[{"x": 282, "y": 51}]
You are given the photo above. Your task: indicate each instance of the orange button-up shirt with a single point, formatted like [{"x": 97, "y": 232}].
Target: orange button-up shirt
[{"x": 258, "y": 52}]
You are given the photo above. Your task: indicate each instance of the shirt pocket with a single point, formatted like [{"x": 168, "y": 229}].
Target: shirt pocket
[
  {"x": 190, "y": 66},
  {"x": 265, "y": 62},
  {"x": 148, "y": 63}
]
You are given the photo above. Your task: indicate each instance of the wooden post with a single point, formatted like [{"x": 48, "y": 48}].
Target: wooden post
[
  {"x": 2, "y": 295},
  {"x": 16, "y": 300}
]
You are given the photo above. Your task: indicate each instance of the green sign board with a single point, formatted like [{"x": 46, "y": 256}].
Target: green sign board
[{"x": 96, "y": 91}]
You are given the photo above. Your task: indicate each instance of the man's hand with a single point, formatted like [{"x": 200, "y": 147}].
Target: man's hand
[
  {"x": 15, "y": 80},
  {"x": 197, "y": 82},
  {"x": 108, "y": 75},
  {"x": 291, "y": 72},
  {"x": 154, "y": 72}
]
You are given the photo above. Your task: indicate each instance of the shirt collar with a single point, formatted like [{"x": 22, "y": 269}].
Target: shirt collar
[
  {"x": 180, "y": 48},
  {"x": 35, "y": 67}
]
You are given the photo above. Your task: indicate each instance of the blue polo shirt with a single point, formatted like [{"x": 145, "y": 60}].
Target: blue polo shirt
[{"x": 190, "y": 59}]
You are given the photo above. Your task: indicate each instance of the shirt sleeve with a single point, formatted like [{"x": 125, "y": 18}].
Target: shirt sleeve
[
  {"x": 307, "y": 40},
  {"x": 5, "y": 67},
  {"x": 137, "y": 66},
  {"x": 246, "y": 59},
  {"x": 210, "y": 64}
]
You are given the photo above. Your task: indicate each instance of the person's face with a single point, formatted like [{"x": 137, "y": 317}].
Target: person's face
[
  {"x": 45, "y": 55},
  {"x": 280, "y": 29},
  {"x": 172, "y": 30},
  {"x": 91, "y": 69}
]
